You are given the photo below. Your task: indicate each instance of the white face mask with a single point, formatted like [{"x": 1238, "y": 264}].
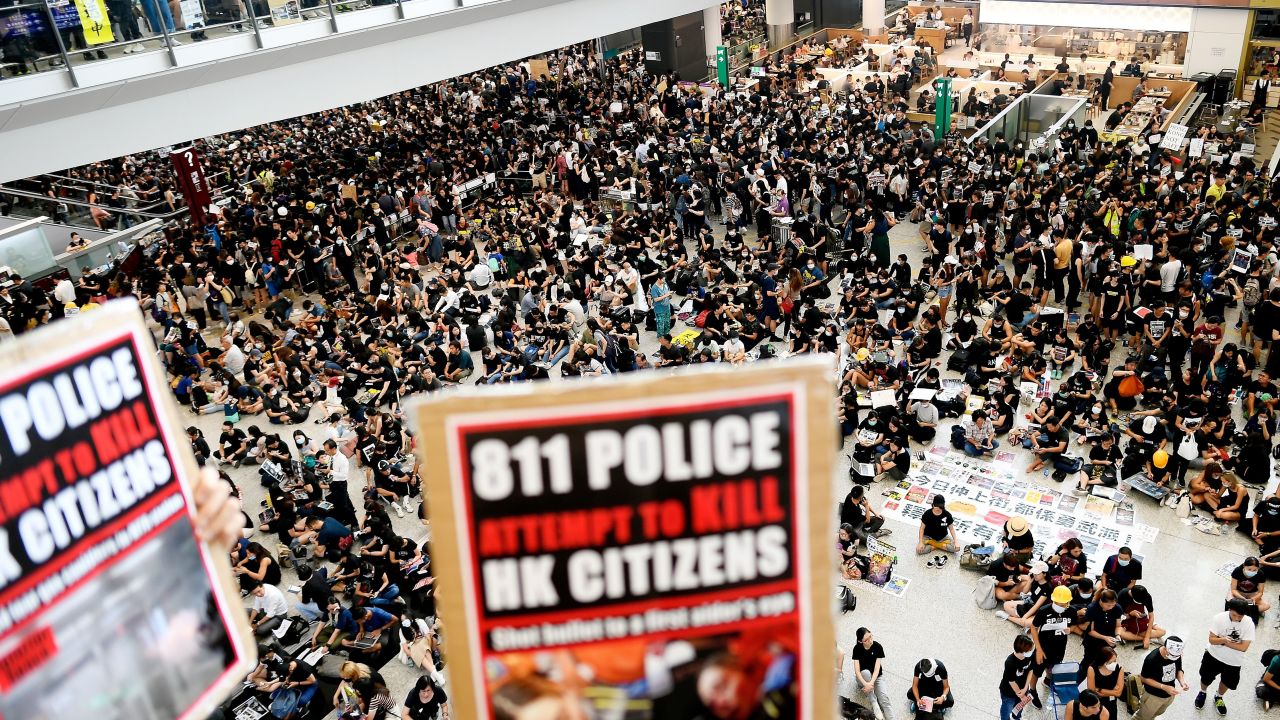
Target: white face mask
[
  {"x": 1111, "y": 666},
  {"x": 1059, "y": 608}
]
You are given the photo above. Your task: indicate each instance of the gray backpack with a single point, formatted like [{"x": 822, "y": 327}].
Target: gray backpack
[{"x": 984, "y": 593}]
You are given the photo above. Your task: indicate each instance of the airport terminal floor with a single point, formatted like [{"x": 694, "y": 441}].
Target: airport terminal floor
[{"x": 1053, "y": 357}]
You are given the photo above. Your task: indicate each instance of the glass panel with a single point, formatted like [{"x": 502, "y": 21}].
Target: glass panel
[
  {"x": 27, "y": 252},
  {"x": 1162, "y": 48},
  {"x": 27, "y": 43}
]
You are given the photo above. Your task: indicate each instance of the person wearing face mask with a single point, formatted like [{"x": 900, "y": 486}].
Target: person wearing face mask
[
  {"x": 1087, "y": 705},
  {"x": 1050, "y": 629},
  {"x": 930, "y": 694},
  {"x": 1121, "y": 570},
  {"x": 1016, "y": 681},
  {"x": 1249, "y": 584},
  {"x": 1105, "y": 679},
  {"x": 1162, "y": 678},
  {"x": 1138, "y": 624}
]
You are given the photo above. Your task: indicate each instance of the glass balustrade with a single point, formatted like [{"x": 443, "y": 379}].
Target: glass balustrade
[{"x": 76, "y": 37}]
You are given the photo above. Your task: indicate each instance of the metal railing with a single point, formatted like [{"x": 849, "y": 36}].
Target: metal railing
[
  {"x": 38, "y": 36},
  {"x": 70, "y": 204}
]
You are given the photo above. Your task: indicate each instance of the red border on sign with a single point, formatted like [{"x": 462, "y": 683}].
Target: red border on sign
[
  {"x": 149, "y": 381},
  {"x": 473, "y": 577}
]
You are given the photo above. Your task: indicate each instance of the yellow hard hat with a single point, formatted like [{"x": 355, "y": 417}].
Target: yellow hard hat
[
  {"x": 1160, "y": 459},
  {"x": 1128, "y": 261}
]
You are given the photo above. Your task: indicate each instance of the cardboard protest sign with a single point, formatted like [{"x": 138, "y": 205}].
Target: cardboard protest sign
[
  {"x": 107, "y": 599},
  {"x": 659, "y": 542}
]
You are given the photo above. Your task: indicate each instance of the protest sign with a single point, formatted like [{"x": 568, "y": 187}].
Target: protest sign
[
  {"x": 983, "y": 494},
  {"x": 649, "y": 536},
  {"x": 103, "y": 584}
]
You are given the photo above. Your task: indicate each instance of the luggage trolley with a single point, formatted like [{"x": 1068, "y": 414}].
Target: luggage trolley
[{"x": 1064, "y": 686}]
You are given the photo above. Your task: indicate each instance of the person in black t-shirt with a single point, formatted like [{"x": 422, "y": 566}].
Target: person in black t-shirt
[
  {"x": 1103, "y": 620},
  {"x": 1138, "y": 624},
  {"x": 937, "y": 530},
  {"x": 424, "y": 701},
  {"x": 1021, "y": 611},
  {"x": 1050, "y": 630},
  {"x": 867, "y": 657},
  {"x": 1015, "y": 682},
  {"x": 930, "y": 693},
  {"x": 1011, "y": 578},
  {"x": 895, "y": 462},
  {"x": 1163, "y": 678}
]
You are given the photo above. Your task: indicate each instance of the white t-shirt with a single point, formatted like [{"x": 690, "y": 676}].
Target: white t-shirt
[
  {"x": 1224, "y": 627},
  {"x": 272, "y": 602},
  {"x": 339, "y": 466}
]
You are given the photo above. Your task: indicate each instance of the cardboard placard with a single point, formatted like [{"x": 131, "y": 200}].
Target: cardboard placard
[
  {"x": 636, "y": 531},
  {"x": 100, "y": 566}
]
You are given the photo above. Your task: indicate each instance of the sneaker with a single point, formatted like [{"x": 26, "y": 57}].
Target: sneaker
[
  {"x": 1221, "y": 705},
  {"x": 175, "y": 42},
  {"x": 882, "y": 532},
  {"x": 1200, "y": 700},
  {"x": 942, "y": 561},
  {"x": 933, "y": 563},
  {"x": 1002, "y": 615},
  {"x": 1035, "y": 700},
  {"x": 399, "y": 510}
]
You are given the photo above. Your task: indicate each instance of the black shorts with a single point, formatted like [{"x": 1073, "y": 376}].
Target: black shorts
[
  {"x": 1050, "y": 659},
  {"x": 1211, "y": 667}
]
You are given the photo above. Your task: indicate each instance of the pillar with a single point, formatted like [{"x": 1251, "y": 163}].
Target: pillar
[
  {"x": 780, "y": 21},
  {"x": 711, "y": 28},
  {"x": 873, "y": 16}
]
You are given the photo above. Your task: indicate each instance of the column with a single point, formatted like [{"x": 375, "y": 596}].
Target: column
[
  {"x": 872, "y": 16},
  {"x": 711, "y": 28},
  {"x": 780, "y": 21}
]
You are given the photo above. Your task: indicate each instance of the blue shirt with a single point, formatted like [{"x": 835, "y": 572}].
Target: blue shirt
[
  {"x": 376, "y": 619},
  {"x": 345, "y": 623},
  {"x": 331, "y": 531}
]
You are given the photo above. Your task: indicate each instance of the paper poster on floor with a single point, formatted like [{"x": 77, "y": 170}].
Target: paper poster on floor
[
  {"x": 107, "y": 599},
  {"x": 656, "y": 545},
  {"x": 982, "y": 495}
]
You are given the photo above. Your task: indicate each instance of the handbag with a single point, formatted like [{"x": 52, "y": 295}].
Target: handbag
[
  {"x": 1182, "y": 508},
  {"x": 1188, "y": 449},
  {"x": 787, "y": 305},
  {"x": 1130, "y": 386}
]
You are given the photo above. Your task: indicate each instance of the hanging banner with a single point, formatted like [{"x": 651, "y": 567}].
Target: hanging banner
[
  {"x": 94, "y": 21},
  {"x": 285, "y": 12},
  {"x": 189, "y": 172},
  {"x": 107, "y": 598},
  {"x": 658, "y": 545}
]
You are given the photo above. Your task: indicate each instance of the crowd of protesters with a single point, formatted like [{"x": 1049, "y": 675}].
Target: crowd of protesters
[{"x": 503, "y": 227}]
